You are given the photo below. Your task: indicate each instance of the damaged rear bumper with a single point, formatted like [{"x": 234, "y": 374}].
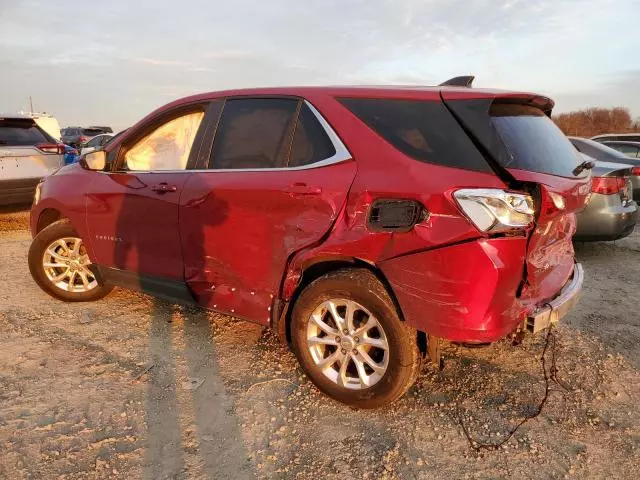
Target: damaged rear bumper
[
  {"x": 553, "y": 310},
  {"x": 470, "y": 292}
]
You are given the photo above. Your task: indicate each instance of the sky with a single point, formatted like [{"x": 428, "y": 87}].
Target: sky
[{"x": 111, "y": 63}]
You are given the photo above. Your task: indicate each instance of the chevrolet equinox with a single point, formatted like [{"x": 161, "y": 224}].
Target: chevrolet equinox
[{"x": 365, "y": 225}]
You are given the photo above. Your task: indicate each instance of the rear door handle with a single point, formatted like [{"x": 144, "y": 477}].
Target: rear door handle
[
  {"x": 299, "y": 189},
  {"x": 164, "y": 188}
]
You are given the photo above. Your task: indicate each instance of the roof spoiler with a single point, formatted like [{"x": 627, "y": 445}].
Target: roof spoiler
[{"x": 462, "y": 81}]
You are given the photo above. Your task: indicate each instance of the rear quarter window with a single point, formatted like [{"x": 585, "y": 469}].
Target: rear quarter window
[
  {"x": 423, "y": 130},
  {"x": 21, "y": 133},
  {"x": 533, "y": 141}
]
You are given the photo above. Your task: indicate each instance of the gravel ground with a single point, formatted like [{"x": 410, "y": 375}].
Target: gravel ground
[{"x": 133, "y": 387}]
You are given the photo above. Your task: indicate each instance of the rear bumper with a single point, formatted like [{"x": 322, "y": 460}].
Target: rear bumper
[
  {"x": 470, "y": 292},
  {"x": 13, "y": 192},
  {"x": 553, "y": 310},
  {"x": 606, "y": 218}
]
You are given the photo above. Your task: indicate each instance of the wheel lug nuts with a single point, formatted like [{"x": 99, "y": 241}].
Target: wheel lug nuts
[
  {"x": 338, "y": 339},
  {"x": 344, "y": 352},
  {"x": 356, "y": 339},
  {"x": 345, "y": 331},
  {"x": 354, "y": 351}
]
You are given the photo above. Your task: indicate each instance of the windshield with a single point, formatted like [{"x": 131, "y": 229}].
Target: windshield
[
  {"x": 534, "y": 142},
  {"x": 598, "y": 150}
]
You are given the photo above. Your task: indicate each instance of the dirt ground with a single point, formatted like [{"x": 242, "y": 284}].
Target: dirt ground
[{"x": 131, "y": 387}]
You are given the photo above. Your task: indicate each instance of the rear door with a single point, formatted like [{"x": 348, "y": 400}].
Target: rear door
[
  {"x": 530, "y": 152},
  {"x": 275, "y": 181}
]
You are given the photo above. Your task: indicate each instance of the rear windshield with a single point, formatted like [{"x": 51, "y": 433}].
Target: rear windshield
[
  {"x": 423, "y": 130},
  {"x": 534, "y": 142},
  {"x": 21, "y": 133},
  {"x": 598, "y": 150}
]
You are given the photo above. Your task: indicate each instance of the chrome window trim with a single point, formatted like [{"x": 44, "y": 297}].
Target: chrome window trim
[{"x": 342, "y": 155}]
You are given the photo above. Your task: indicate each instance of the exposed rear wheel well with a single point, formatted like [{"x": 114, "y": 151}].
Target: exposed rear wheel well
[
  {"x": 317, "y": 270},
  {"x": 47, "y": 217}
]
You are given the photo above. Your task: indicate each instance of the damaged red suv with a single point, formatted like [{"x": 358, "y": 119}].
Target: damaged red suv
[{"x": 364, "y": 225}]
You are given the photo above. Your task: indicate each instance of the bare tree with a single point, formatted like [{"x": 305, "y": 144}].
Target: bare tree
[{"x": 595, "y": 121}]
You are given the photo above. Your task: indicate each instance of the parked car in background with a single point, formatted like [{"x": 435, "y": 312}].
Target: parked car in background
[
  {"x": 630, "y": 149},
  {"x": 608, "y": 137},
  {"x": 27, "y": 153},
  {"x": 103, "y": 129},
  {"x": 96, "y": 142},
  {"x": 363, "y": 224},
  {"x": 603, "y": 153},
  {"x": 611, "y": 213},
  {"x": 76, "y": 136}
]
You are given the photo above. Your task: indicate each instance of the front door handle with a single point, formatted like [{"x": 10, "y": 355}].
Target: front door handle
[
  {"x": 164, "y": 187},
  {"x": 299, "y": 189}
]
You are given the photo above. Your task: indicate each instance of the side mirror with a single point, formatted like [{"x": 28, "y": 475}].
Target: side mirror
[{"x": 96, "y": 160}]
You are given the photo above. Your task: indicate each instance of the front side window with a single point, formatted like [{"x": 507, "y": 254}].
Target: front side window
[
  {"x": 167, "y": 147},
  {"x": 254, "y": 133}
]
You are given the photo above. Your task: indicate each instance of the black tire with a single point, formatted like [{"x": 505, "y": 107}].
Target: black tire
[
  {"x": 58, "y": 230},
  {"x": 361, "y": 286}
]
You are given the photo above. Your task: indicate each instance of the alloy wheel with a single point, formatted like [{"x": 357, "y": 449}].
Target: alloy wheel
[
  {"x": 65, "y": 263},
  {"x": 348, "y": 344}
]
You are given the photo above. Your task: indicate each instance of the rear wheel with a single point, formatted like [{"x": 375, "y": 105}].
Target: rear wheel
[
  {"x": 59, "y": 264},
  {"x": 349, "y": 340}
]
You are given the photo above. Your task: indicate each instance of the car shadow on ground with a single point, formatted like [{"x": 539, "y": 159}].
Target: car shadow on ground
[{"x": 218, "y": 444}]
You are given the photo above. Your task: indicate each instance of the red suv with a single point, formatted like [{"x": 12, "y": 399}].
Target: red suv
[{"x": 362, "y": 224}]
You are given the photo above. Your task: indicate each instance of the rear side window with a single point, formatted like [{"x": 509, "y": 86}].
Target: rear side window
[
  {"x": 534, "y": 142},
  {"x": 21, "y": 133},
  {"x": 310, "y": 143},
  {"x": 254, "y": 133},
  {"x": 424, "y": 130}
]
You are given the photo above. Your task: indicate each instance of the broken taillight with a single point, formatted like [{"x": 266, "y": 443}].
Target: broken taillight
[{"x": 495, "y": 210}]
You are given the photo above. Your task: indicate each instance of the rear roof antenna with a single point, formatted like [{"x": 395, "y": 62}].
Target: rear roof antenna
[{"x": 463, "y": 81}]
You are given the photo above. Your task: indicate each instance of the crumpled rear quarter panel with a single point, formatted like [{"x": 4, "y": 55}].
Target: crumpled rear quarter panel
[{"x": 465, "y": 292}]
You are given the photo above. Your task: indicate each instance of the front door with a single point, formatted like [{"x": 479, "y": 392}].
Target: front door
[
  {"x": 132, "y": 211},
  {"x": 275, "y": 183}
]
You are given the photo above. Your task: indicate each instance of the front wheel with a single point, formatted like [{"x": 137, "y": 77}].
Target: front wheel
[
  {"x": 348, "y": 338},
  {"x": 59, "y": 264}
]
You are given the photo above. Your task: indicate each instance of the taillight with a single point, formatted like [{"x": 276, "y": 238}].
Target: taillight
[
  {"x": 56, "y": 148},
  {"x": 608, "y": 185},
  {"x": 494, "y": 210},
  {"x": 635, "y": 171}
]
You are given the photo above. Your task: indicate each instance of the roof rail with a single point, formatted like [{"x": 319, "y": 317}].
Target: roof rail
[{"x": 462, "y": 81}]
